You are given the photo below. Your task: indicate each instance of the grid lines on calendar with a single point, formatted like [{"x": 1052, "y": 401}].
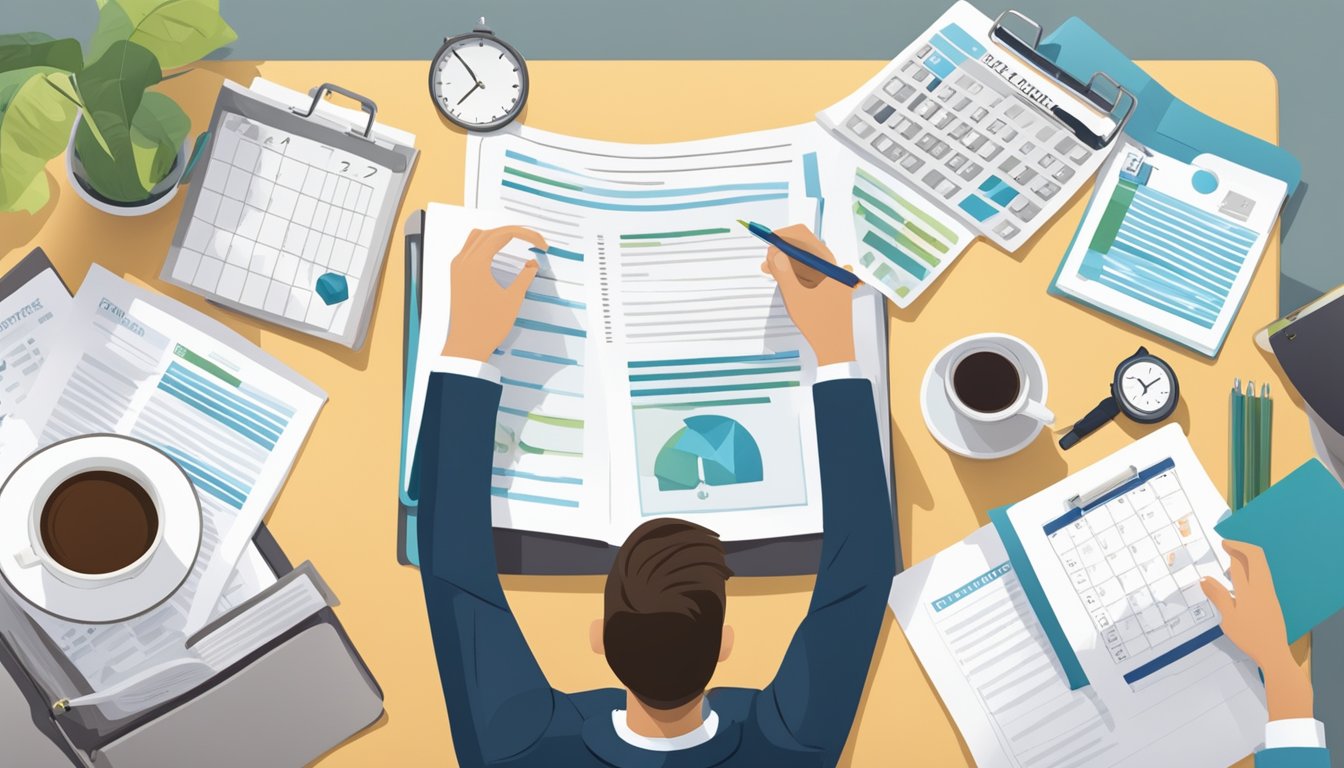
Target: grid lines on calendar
[
  {"x": 275, "y": 212},
  {"x": 1135, "y": 562}
]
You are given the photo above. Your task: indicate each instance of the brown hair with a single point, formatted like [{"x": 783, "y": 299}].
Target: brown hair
[{"x": 664, "y": 611}]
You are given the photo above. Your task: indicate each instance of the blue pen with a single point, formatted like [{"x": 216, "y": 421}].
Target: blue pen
[{"x": 798, "y": 254}]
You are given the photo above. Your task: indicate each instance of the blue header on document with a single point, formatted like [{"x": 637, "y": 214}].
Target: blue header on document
[{"x": 970, "y": 587}]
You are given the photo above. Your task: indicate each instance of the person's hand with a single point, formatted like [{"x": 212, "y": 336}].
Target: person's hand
[
  {"x": 1253, "y": 619},
  {"x": 819, "y": 306},
  {"x": 483, "y": 311}
]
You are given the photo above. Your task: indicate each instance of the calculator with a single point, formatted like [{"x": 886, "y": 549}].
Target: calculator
[{"x": 290, "y": 214}]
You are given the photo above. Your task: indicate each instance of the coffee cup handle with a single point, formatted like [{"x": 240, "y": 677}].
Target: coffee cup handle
[
  {"x": 1038, "y": 411},
  {"x": 27, "y": 557}
]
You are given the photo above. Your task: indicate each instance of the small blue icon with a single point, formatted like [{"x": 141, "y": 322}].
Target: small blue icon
[
  {"x": 1204, "y": 182},
  {"x": 332, "y": 288}
]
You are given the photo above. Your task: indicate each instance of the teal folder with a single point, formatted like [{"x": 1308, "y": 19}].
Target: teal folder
[{"x": 1299, "y": 522}]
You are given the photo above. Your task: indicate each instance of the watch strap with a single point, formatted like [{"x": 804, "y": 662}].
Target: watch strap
[{"x": 1105, "y": 411}]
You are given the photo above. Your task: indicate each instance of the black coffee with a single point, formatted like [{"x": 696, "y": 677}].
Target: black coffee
[
  {"x": 98, "y": 522},
  {"x": 986, "y": 382}
]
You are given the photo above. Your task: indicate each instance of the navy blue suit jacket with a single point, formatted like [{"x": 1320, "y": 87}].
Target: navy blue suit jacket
[{"x": 502, "y": 710}]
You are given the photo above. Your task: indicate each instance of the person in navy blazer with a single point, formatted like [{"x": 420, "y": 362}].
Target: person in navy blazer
[
  {"x": 1253, "y": 619},
  {"x": 663, "y": 629}
]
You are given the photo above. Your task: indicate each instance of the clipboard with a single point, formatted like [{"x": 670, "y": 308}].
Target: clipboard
[
  {"x": 526, "y": 552},
  {"x": 245, "y": 715}
]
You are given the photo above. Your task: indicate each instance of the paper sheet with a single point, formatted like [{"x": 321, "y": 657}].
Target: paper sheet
[
  {"x": 971, "y": 627},
  {"x": 679, "y": 358},
  {"x": 27, "y": 319},
  {"x": 140, "y": 364},
  {"x": 1172, "y": 246}
]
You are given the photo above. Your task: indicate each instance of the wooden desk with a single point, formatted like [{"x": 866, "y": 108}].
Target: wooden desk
[{"x": 339, "y": 507}]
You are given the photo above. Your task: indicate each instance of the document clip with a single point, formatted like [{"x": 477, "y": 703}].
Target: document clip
[
  {"x": 1086, "y": 500},
  {"x": 1088, "y": 92},
  {"x": 365, "y": 103}
]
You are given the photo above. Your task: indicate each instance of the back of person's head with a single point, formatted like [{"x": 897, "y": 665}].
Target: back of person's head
[{"x": 663, "y": 618}]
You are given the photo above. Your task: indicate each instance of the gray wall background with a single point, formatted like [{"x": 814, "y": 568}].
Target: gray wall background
[{"x": 1297, "y": 39}]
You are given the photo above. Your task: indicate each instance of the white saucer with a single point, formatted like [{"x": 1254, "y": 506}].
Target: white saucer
[
  {"x": 163, "y": 574},
  {"x": 976, "y": 439}
]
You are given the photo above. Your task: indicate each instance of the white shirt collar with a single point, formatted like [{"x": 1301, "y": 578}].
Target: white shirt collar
[{"x": 694, "y": 738}]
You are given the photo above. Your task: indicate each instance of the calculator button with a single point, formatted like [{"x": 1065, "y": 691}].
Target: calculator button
[
  {"x": 990, "y": 151},
  {"x": 859, "y": 127},
  {"x": 979, "y": 114},
  {"x": 1080, "y": 155},
  {"x": 961, "y": 130},
  {"x": 1063, "y": 174},
  {"x": 970, "y": 171},
  {"x": 882, "y": 142},
  {"x": 1007, "y": 231},
  {"x": 939, "y": 150},
  {"x": 912, "y": 163},
  {"x": 956, "y": 161},
  {"x": 946, "y": 93},
  {"x": 883, "y": 112},
  {"x": 1046, "y": 161}
]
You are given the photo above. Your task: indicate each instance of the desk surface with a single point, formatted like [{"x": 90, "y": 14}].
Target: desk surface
[{"x": 338, "y": 508}]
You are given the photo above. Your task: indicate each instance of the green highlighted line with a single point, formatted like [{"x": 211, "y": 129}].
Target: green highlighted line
[
  {"x": 542, "y": 179},
  {"x": 206, "y": 365},
  {"x": 897, "y": 235},
  {"x": 936, "y": 225},
  {"x": 712, "y": 374},
  {"x": 718, "y": 388},
  {"x": 706, "y": 404},
  {"x": 683, "y": 233},
  {"x": 525, "y": 448}
]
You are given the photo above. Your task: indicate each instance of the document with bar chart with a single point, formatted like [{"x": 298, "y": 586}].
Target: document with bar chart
[
  {"x": 653, "y": 369},
  {"x": 1171, "y": 246}
]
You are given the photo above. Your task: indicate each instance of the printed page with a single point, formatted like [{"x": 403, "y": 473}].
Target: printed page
[
  {"x": 1172, "y": 246},
  {"x": 969, "y": 622},
  {"x": 550, "y": 468},
  {"x": 27, "y": 319},
  {"x": 137, "y": 366},
  {"x": 705, "y": 378},
  {"x": 1122, "y": 572}
]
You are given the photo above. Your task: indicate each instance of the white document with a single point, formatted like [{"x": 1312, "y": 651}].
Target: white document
[
  {"x": 140, "y": 364},
  {"x": 1122, "y": 572},
  {"x": 969, "y": 622},
  {"x": 1172, "y": 246},
  {"x": 27, "y": 317},
  {"x": 652, "y": 324}
]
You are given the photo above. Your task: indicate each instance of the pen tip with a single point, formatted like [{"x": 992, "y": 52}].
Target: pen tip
[{"x": 743, "y": 223}]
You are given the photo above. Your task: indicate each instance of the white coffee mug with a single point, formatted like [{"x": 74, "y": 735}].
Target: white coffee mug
[
  {"x": 1028, "y": 371},
  {"x": 35, "y": 553}
]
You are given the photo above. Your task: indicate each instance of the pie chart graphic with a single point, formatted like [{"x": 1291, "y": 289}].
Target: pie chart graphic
[{"x": 709, "y": 450}]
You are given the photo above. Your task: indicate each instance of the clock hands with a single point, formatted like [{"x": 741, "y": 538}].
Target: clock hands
[
  {"x": 468, "y": 66},
  {"x": 478, "y": 84}
]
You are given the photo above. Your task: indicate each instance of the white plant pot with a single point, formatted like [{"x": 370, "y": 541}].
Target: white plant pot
[{"x": 162, "y": 194}]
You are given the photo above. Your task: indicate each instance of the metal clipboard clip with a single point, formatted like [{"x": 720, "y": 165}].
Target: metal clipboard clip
[
  {"x": 1084, "y": 500},
  {"x": 365, "y": 103},
  {"x": 1088, "y": 92}
]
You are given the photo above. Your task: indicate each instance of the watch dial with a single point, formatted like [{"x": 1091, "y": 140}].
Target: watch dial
[
  {"x": 478, "y": 81},
  {"x": 1146, "y": 386}
]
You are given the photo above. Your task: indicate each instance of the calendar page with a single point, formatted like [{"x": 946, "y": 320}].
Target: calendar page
[{"x": 1119, "y": 549}]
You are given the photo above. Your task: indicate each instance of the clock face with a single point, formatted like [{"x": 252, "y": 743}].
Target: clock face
[
  {"x": 478, "y": 81},
  {"x": 1147, "y": 386}
]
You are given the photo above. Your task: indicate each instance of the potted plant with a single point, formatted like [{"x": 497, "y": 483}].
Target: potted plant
[{"x": 126, "y": 144}]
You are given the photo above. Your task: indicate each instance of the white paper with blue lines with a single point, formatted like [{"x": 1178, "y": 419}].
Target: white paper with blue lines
[
  {"x": 605, "y": 388},
  {"x": 140, "y": 364},
  {"x": 1172, "y": 246}
]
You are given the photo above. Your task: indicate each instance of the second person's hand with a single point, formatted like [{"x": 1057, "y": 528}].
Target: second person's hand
[{"x": 822, "y": 308}]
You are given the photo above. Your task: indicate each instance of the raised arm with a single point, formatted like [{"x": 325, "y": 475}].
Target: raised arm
[
  {"x": 815, "y": 694},
  {"x": 499, "y": 702}
]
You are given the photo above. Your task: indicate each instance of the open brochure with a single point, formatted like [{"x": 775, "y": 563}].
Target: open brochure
[
  {"x": 140, "y": 364},
  {"x": 1073, "y": 632}
]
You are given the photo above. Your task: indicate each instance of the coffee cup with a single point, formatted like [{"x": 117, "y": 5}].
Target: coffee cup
[
  {"x": 94, "y": 521},
  {"x": 988, "y": 380}
]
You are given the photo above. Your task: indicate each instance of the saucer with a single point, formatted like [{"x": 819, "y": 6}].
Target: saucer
[
  {"x": 978, "y": 439},
  {"x": 163, "y": 574}
]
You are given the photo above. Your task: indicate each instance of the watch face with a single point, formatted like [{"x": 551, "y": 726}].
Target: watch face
[
  {"x": 1146, "y": 387},
  {"x": 478, "y": 82}
]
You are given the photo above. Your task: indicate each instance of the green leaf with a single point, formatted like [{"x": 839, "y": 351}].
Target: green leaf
[
  {"x": 157, "y": 132},
  {"x": 178, "y": 32},
  {"x": 112, "y": 89},
  {"x": 34, "y": 124},
  {"x": 35, "y": 49}
]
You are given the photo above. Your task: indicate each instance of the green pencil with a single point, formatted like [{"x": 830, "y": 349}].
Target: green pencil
[
  {"x": 1266, "y": 436},
  {"x": 1236, "y": 446},
  {"x": 1251, "y": 420}
]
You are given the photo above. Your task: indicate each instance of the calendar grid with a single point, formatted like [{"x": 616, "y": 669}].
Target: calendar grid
[
  {"x": 275, "y": 212},
  {"x": 1135, "y": 563}
]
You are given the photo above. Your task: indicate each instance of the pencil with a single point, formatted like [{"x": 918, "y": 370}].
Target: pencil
[
  {"x": 1236, "y": 449},
  {"x": 1266, "y": 436},
  {"x": 1251, "y": 426}
]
